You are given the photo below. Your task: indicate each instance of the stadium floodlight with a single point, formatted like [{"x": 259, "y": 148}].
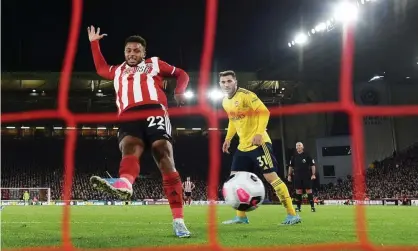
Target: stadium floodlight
[
  {"x": 289, "y": 44},
  {"x": 376, "y": 78},
  {"x": 189, "y": 94},
  {"x": 216, "y": 94},
  {"x": 320, "y": 27},
  {"x": 301, "y": 38},
  {"x": 346, "y": 12}
]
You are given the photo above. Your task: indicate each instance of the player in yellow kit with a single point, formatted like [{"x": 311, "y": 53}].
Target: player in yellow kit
[{"x": 248, "y": 117}]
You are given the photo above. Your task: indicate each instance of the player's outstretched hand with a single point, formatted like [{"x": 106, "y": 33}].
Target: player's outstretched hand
[
  {"x": 313, "y": 177},
  {"x": 225, "y": 147},
  {"x": 180, "y": 99},
  {"x": 289, "y": 178},
  {"x": 94, "y": 34},
  {"x": 257, "y": 140}
]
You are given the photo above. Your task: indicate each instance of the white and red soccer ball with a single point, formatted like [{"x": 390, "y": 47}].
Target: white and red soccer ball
[{"x": 244, "y": 191}]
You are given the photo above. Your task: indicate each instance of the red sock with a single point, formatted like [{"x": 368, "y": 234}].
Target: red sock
[
  {"x": 129, "y": 168},
  {"x": 174, "y": 193}
]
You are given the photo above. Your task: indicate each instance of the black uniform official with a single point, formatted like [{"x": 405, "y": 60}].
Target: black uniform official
[
  {"x": 302, "y": 166},
  {"x": 302, "y": 171}
]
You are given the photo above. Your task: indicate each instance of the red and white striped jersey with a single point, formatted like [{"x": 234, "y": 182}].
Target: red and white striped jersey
[
  {"x": 188, "y": 186},
  {"x": 141, "y": 84}
]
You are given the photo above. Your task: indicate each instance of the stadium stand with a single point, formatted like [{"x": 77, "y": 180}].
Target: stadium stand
[{"x": 393, "y": 177}]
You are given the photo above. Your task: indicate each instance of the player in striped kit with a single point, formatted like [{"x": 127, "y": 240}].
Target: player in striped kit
[
  {"x": 188, "y": 187},
  {"x": 138, "y": 84}
]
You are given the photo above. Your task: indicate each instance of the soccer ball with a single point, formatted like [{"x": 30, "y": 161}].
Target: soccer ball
[{"x": 244, "y": 191}]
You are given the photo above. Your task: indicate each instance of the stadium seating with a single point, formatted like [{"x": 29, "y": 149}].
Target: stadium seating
[
  {"x": 39, "y": 163},
  {"x": 394, "y": 177}
]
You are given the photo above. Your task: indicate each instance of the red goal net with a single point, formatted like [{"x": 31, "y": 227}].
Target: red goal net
[{"x": 346, "y": 104}]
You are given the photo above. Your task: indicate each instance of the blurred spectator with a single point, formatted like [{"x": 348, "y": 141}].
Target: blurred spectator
[
  {"x": 394, "y": 177},
  {"x": 42, "y": 166}
]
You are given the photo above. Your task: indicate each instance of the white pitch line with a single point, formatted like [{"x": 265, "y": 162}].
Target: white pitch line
[{"x": 96, "y": 222}]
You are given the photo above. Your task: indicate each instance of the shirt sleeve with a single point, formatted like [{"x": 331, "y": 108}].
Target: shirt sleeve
[
  {"x": 103, "y": 69},
  {"x": 231, "y": 131},
  {"x": 260, "y": 110},
  {"x": 254, "y": 102},
  {"x": 182, "y": 77},
  {"x": 311, "y": 161}
]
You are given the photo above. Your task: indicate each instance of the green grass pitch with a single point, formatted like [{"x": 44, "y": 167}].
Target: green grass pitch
[{"x": 135, "y": 226}]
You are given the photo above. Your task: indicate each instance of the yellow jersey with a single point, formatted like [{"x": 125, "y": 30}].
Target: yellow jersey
[{"x": 248, "y": 116}]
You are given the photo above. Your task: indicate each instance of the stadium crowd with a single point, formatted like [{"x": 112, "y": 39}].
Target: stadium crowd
[
  {"x": 42, "y": 166},
  {"x": 393, "y": 177}
]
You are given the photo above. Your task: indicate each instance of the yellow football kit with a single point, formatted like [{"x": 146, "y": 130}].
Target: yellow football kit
[{"x": 248, "y": 116}]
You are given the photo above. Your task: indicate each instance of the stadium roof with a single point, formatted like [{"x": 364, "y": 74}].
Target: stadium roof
[{"x": 25, "y": 91}]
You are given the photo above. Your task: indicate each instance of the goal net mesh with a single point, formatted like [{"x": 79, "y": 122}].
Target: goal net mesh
[{"x": 345, "y": 104}]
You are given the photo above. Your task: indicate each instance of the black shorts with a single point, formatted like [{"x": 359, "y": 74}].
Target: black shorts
[
  {"x": 187, "y": 194},
  {"x": 262, "y": 157},
  {"x": 155, "y": 127},
  {"x": 302, "y": 182}
]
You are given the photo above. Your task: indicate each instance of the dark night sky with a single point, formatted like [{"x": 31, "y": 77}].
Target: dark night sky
[{"x": 250, "y": 34}]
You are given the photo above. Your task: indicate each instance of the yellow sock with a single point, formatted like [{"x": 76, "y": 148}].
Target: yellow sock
[
  {"x": 283, "y": 194},
  {"x": 241, "y": 214}
]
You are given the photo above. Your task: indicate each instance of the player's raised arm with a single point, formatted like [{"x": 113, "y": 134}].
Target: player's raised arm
[
  {"x": 102, "y": 68},
  {"x": 181, "y": 76},
  {"x": 260, "y": 110}
]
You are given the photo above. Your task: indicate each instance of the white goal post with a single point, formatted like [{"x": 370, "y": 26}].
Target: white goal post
[{"x": 36, "y": 194}]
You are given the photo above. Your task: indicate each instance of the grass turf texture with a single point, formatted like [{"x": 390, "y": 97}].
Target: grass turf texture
[{"x": 135, "y": 226}]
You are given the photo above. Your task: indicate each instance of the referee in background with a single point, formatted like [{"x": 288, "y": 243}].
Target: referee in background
[{"x": 302, "y": 166}]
